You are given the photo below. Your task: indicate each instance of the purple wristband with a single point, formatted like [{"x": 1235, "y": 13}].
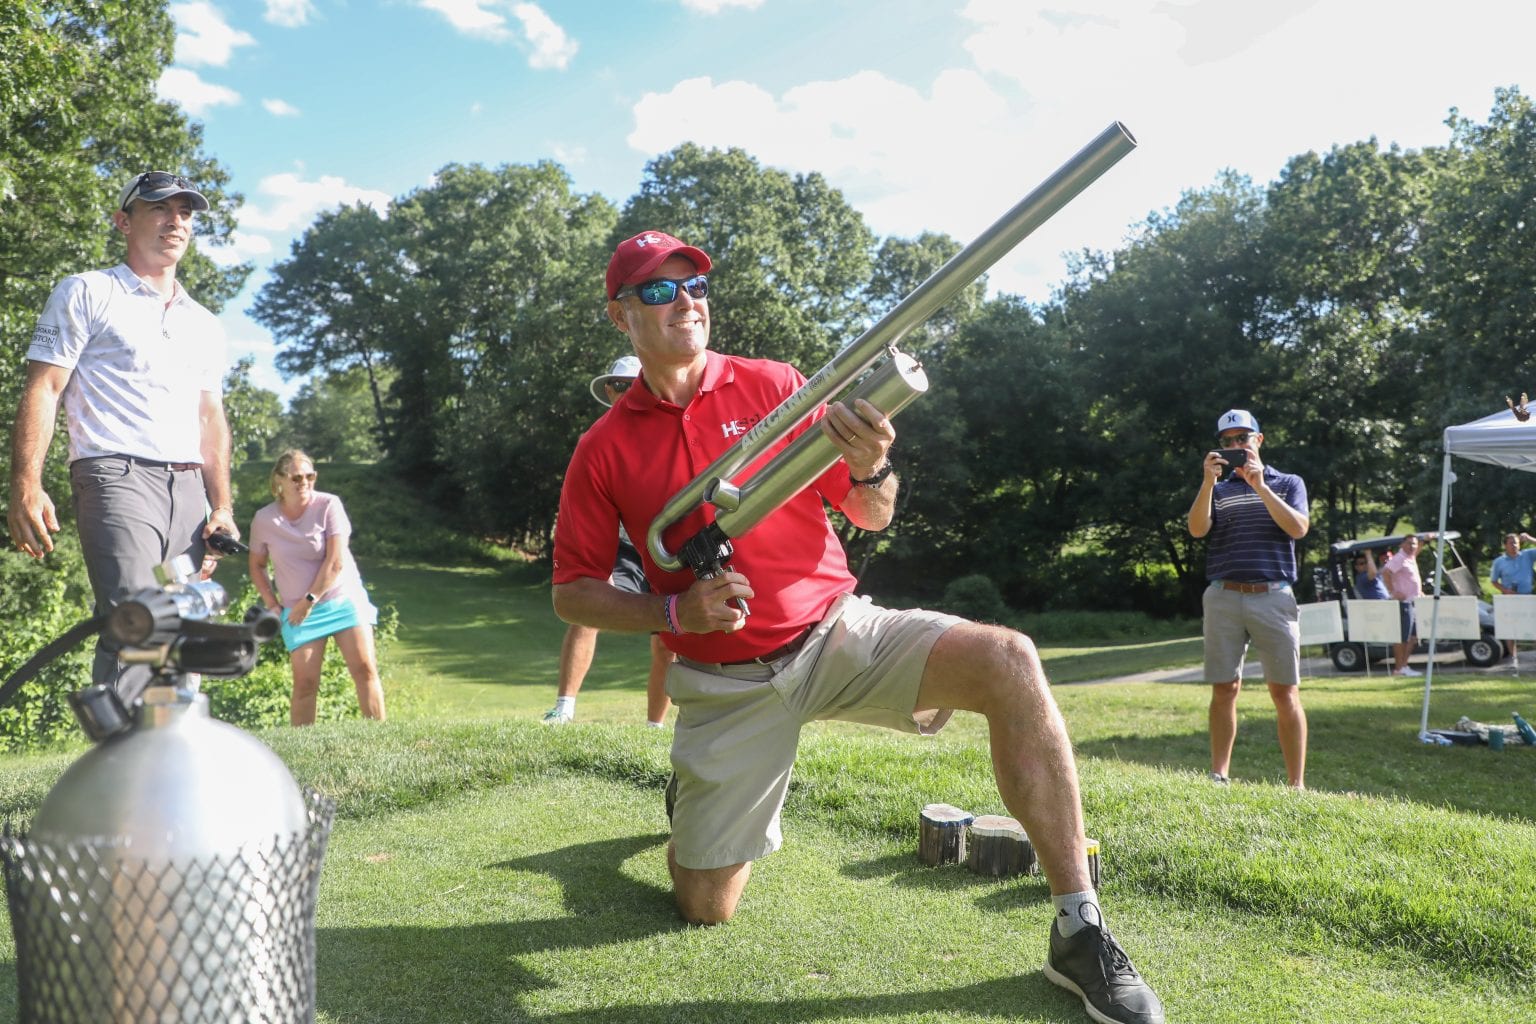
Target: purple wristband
[{"x": 669, "y": 608}]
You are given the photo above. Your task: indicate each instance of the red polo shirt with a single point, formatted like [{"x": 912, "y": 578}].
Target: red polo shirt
[{"x": 644, "y": 450}]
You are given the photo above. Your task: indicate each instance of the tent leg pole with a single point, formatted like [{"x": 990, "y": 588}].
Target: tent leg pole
[{"x": 1434, "y": 616}]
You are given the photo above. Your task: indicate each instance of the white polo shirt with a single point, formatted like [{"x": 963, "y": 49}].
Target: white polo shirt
[{"x": 140, "y": 366}]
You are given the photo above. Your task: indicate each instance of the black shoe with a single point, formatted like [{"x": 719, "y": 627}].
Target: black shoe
[
  {"x": 1092, "y": 964},
  {"x": 671, "y": 795}
]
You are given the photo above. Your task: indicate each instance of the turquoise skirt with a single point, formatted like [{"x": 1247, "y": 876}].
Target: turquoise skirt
[{"x": 326, "y": 618}]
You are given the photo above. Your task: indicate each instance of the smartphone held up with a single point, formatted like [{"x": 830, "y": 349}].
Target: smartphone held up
[{"x": 1233, "y": 457}]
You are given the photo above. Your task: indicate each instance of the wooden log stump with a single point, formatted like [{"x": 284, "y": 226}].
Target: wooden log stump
[
  {"x": 998, "y": 847},
  {"x": 941, "y": 834}
]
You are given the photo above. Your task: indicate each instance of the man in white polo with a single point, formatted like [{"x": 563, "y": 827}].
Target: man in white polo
[
  {"x": 138, "y": 366},
  {"x": 1254, "y": 516}
]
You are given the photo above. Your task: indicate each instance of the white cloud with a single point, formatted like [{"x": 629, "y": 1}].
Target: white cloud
[
  {"x": 196, "y": 96},
  {"x": 552, "y": 48},
  {"x": 280, "y": 108},
  {"x": 290, "y": 203},
  {"x": 1203, "y": 85},
  {"x": 546, "y": 41},
  {"x": 472, "y": 17},
  {"x": 289, "y": 13},
  {"x": 203, "y": 37},
  {"x": 716, "y": 6},
  {"x": 880, "y": 141},
  {"x": 240, "y": 247},
  {"x": 568, "y": 154}
]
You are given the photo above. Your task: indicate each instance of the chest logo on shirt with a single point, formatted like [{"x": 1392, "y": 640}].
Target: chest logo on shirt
[
  {"x": 737, "y": 427},
  {"x": 45, "y": 336}
]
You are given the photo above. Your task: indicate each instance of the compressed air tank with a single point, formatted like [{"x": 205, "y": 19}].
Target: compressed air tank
[
  {"x": 179, "y": 785},
  {"x": 171, "y": 876}
]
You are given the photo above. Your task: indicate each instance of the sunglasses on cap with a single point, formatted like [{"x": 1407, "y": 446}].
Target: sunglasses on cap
[
  {"x": 1236, "y": 440},
  {"x": 662, "y": 290},
  {"x": 154, "y": 181}
]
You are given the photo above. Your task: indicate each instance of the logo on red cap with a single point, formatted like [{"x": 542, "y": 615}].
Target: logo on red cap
[{"x": 635, "y": 259}]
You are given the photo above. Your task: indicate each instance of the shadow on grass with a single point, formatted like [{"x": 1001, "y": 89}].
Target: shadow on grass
[
  {"x": 905, "y": 871},
  {"x": 397, "y": 973},
  {"x": 1001, "y": 998},
  {"x": 591, "y": 883},
  {"x": 489, "y": 982}
]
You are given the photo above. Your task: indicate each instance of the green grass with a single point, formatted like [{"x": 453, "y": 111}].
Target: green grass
[{"x": 485, "y": 868}]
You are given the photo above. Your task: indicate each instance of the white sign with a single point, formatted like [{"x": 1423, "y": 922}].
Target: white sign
[
  {"x": 1375, "y": 621},
  {"x": 1458, "y": 618},
  {"x": 1514, "y": 616},
  {"x": 1321, "y": 623}
]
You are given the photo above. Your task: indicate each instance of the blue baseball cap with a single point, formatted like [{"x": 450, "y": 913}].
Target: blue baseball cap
[{"x": 1237, "y": 419}]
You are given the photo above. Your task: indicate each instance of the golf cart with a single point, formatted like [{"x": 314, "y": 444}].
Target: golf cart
[{"x": 1336, "y": 581}]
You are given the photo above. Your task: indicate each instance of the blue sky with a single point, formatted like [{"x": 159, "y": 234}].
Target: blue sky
[{"x": 928, "y": 114}]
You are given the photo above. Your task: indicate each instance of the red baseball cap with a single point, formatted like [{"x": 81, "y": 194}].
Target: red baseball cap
[{"x": 637, "y": 258}]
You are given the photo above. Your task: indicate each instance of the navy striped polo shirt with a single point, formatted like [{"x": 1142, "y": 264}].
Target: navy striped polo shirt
[{"x": 1245, "y": 543}]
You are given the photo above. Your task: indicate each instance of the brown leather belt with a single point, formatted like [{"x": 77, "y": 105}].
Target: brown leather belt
[
  {"x": 175, "y": 467},
  {"x": 778, "y": 652},
  {"x": 1254, "y": 588}
]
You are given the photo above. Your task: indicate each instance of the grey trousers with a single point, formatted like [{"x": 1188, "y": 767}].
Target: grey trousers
[{"x": 132, "y": 514}]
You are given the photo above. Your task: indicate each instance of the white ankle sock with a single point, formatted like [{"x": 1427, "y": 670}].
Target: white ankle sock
[
  {"x": 565, "y": 705},
  {"x": 1076, "y": 910}
]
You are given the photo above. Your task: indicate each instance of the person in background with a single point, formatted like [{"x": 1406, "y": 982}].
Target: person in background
[
  {"x": 1369, "y": 586},
  {"x": 1401, "y": 572},
  {"x": 1368, "y": 583},
  {"x": 319, "y": 594},
  {"x": 580, "y": 643},
  {"x": 1254, "y": 517},
  {"x": 1511, "y": 574},
  {"x": 138, "y": 366},
  {"x": 748, "y": 678}
]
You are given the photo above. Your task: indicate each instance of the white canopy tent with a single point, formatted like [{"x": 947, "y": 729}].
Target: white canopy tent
[{"x": 1499, "y": 440}]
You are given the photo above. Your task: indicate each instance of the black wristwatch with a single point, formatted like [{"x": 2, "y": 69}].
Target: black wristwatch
[
  {"x": 311, "y": 598},
  {"x": 874, "y": 481}
]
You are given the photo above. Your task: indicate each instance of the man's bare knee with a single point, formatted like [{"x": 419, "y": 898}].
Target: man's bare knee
[{"x": 708, "y": 896}]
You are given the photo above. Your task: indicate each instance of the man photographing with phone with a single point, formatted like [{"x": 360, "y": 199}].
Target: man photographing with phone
[{"x": 1253, "y": 515}]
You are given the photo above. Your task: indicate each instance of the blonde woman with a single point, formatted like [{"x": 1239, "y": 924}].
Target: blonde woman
[{"x": 319, "y": 594}]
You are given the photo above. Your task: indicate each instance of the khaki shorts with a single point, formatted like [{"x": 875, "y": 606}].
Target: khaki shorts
[
  {"x": 1269, "y": 619},
  {"x": 738, "y": 726}
]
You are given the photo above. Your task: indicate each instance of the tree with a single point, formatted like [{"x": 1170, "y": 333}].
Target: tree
[
  {"x": 332, "y": 417},
  {"x": 254, "y": 413},
  {"x": 1339, "y": 236},
  {"x": 335, "y": 303},
  {"x": 1477, "y": 344},
  {"x": 900, "y": 267},
  {"x": 1170, "y": 334},
  {"x": 991, "y": 456},
  {"x": 506, "y": 327}
]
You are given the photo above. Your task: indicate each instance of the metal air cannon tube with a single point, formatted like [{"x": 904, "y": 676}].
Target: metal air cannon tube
[{"x": 964, "y": 267}]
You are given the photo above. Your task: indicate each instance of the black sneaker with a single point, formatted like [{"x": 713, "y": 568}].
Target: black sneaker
[{"x": 1092, "y": 964}]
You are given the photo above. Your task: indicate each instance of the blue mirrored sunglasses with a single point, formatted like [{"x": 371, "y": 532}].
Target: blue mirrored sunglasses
[{"x": 663, "y": 290}]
